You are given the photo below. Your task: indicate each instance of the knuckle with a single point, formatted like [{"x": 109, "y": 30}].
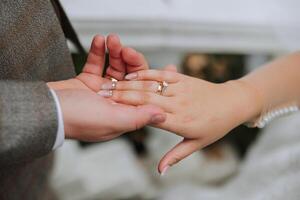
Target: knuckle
[
  {"x": 143, "y": 85},
  {"x": 146, "y": 97},
  {"x": 147, "y": 85},
  {"x": 140, "y": 75},
  {"x": 118, "y": 96},
  {"x": 143, "y": 98},
  {"x": 162, "y": 75}
]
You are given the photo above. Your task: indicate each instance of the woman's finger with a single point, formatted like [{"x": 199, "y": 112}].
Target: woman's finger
[
  {"x": 146, "y": 86},
  {"x": 155, "y": 75},
  {"x": 183, "y": 149},
  {"x": 137, "y": 98}
]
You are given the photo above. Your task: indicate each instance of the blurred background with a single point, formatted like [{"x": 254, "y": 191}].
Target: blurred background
[{"x": 208, "y": 39}]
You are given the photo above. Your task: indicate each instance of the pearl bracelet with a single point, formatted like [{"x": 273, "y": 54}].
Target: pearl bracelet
[{"x": 269, "y": 116}]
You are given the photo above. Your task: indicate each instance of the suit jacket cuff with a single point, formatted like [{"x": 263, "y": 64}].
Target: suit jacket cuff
[
  {"x": 60, "y": 136},
  {"x": 28, "y": 121}
]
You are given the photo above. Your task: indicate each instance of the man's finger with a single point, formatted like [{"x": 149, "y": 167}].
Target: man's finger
[
  {"x": 183, "y": 149},
  {"x": 130, "y": 118},
  {"x": 96, "y": 56},
  {"x": 117, "y": 68},
  {"x": 135, "y": 61},
  {"x": 170, "y": 68}
]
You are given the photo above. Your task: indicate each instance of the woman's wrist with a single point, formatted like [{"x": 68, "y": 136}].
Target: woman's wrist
[{"x": 248, "y": 100}]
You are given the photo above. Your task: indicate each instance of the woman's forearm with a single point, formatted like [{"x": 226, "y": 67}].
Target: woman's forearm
[{"x": 277, "y": 84}]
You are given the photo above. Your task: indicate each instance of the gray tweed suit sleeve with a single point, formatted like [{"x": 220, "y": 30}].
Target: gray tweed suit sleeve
[{"x": 28, "y": 121}]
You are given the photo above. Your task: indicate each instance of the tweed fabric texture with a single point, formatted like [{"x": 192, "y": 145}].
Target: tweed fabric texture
[{"x": 33, "y": 51}]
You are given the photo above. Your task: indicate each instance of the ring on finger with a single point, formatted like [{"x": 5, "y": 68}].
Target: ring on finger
[
  {"x": 159, "y": 88},
  {"x": 113, "y": 83},
  {"x": 165, "y": 86},
  {"x": 162, "y": 87}
]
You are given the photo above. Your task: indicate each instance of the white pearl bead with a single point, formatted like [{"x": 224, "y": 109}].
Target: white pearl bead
[
  {"x": 279, "y": 112},
  {"x": 260, "y": 125},
  {"x": 266, "y": 120},
  {"x": 275, "y": 113},
  {"x": 268, "y": 116},
  {"x": 295, "y": 109}
]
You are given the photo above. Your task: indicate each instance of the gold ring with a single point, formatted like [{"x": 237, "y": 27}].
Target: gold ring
[
  {"x": 159, "y": 88},
  {"x": 113, "y": 83},
  {"x": 165, "y": 86},
  {"x": 162, "y": 87}
]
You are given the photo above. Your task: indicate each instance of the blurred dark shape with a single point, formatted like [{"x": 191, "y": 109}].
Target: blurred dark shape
[
  {"x": 216, "y": 68},
  {"x": 138, "y": 140},
  {"x": 219, "y": 68}
]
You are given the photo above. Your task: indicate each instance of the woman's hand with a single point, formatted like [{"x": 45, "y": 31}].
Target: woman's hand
[
  {"x": 200, "y": 111},
  {"x": 122, "y": 60},
  {"x": 90, "y": 117}
]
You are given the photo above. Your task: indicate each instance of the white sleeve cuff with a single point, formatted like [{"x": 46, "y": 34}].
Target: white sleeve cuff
[{"x": 60, "y": 136}]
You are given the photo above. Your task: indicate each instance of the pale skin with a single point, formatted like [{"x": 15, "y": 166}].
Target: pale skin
[
  {"x": 203, "y": 112},
  {"x": 90, "y": 117}
]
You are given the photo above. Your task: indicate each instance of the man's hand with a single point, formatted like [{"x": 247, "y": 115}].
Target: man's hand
[
  {"x": 122, "y": 60},
  {"x": 89, "y": 117}
]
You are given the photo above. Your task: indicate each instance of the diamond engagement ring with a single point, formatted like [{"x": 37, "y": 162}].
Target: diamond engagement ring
[{"x": 162, "y": 87}]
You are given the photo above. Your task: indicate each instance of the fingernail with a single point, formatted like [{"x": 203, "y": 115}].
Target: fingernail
[
  {"x": 105, "y": 93},
  {"x": 164, "y": 171},
  {"x": 131, "y": 76},
  {"x": 107, "y": 86},
  {"x": 159, "y": 118}
]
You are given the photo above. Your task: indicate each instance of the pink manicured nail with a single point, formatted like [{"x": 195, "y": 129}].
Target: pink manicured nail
[
  {"x": 105, "y": 93},
  {"x": 164, "y": 171},
  {"x": 107, "y": 86},
  {"x": 131, "y": 76},
  {"x": 159, "y": 118}
]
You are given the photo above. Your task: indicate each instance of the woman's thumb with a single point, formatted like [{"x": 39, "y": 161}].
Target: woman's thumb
[{"x": 183, "y": 149}]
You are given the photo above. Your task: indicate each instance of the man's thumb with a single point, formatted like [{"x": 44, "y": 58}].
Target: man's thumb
[{"x": 149, "y": 114}]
